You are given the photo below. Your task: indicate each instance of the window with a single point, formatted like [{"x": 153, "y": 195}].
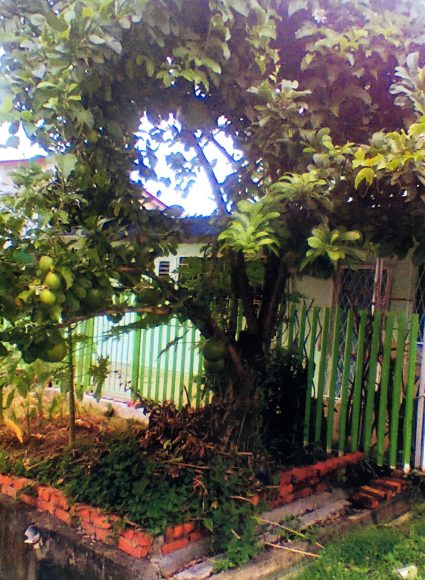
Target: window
[{"x": 164, "y": 268}]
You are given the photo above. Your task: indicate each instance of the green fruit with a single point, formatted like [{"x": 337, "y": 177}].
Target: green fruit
[
  {"x": 53, "y": 281},
  {"x": 214, "y": 366},
  {"x": 47, "y": 297},
  {"x": 56, "y": 353},
  {"x": 94, "y": 299},
  {"x": 149, "y": 297},
  {"x": 45, "y": 263},
  {"x": 214, "y": 349}
]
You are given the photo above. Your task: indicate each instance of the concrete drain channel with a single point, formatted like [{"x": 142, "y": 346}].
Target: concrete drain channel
[{"x": 330, "y": 514}]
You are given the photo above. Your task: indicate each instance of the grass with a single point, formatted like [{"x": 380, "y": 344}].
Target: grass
[{"x": 374, "y": 552}]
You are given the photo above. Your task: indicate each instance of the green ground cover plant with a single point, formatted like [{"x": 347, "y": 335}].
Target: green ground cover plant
[{"x": 375, "y": 552}]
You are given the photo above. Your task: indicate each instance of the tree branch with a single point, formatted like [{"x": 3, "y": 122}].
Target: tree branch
[{"x": 215, "y": 185}]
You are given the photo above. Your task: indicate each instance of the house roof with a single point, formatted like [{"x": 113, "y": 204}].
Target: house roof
[{"x": 198, "y": 228}]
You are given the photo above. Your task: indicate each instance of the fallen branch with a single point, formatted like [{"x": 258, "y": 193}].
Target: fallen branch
[{"x": 279, "y": 547}]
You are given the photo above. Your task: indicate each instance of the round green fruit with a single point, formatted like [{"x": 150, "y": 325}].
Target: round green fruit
[
  {"x": 56, "y": 353},
  {"x": 214, "y": 366},
  {"x": 45, "y": 263},
  {"x": 47, "y": 297},
  {"x": 94, "y": 299},
  {"x": 214, "y": 349},
  {"x": 149, "y": 297},
  {"x": 53, "y": 281}
]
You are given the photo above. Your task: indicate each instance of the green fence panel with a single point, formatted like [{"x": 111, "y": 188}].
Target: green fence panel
[
  {"x": 158, "y": 366},
  {"x": 135, "y": 367},
  {"x": 383, "y": 391},
  {"x": 302, "y": 331},
  {"x": 291, "y": 326},
  {"x": 332, "y": 384},
  {"x": 192, "y": 347},
  {"x": 358, "y": 382},
  {"x": 371, "y": 383},
  {"x": 408, "y": 417},
  {"x": 175, "y": 355},
  {"x": 396, "y": 392},
  {"x": 321, "y": 378},
  {"x": 182, "y": 366},
  {"x": 150, "y": 339},
  {"x": 166, "y": 363},
  {"x": 344, "y": 384},
  {"x": 310, "y": 374}
]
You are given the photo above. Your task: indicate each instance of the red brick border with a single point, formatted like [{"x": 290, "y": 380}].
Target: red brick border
[{"x": 295, "y": 483}]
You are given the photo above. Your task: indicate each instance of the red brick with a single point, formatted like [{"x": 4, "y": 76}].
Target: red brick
[
  {"x": 353, "y": 458},
  {"x": 286, "y": 489},
  {"x": 88, "y": 528},
  {"x": 174, "y": 546},
  {"x": 44, "y": 492},
  {"x": 196, "y": 536},
  {"x": 178, "y": 532},
  {"x": 396, "y": 485},
  {"x": 60, "y": 500},
  {"x": 103, "y": 535},
  {"x": 325, "y": 467},
  {"x": 142, "y": 539},
  {"x": 380, "y": 494},
  {"x": 101, "y": 520},
  {"x": 9, "y": 490},
  {"x": 63, "y": 515},
  {"x": 302, "y": 493},
  {"x": 129, "y": 548},
  {"x": 299, "y": 474},
  {"x": 342, "y": 462},
  {"x": 6, "y": 480},
  {"x": 364, "y": 500},
  {"x": 45, "y": 506},
  {"x": 28, "y": 499},
  {"x": 285, "y": 477},
  {"x": 128, "y": 534},
  {"x": 85, "y": 513},
  {"x": 189, "y": 527},
  {"x": 20, "y": 482}
]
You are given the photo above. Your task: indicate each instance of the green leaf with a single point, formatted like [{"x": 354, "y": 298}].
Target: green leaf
[
  {"x": 67, "y": 163},
  {"x": 96, "y": 39},
  {"x": 366, "y": 174},
  {"x": 67, "y": 275}
]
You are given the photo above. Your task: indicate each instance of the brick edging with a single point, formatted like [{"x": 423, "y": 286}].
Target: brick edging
[{"x": 295, "y": 483}]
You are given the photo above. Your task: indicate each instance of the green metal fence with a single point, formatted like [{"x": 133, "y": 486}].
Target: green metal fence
[
  {"x": 161, "y": 363},
  {"x": 361, "y": 392}
]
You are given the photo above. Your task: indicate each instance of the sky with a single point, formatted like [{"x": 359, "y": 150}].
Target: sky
[{"x": 198, "y": 202}]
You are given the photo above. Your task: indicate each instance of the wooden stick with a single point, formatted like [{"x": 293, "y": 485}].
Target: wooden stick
[{"x": 279, "y": 547}]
